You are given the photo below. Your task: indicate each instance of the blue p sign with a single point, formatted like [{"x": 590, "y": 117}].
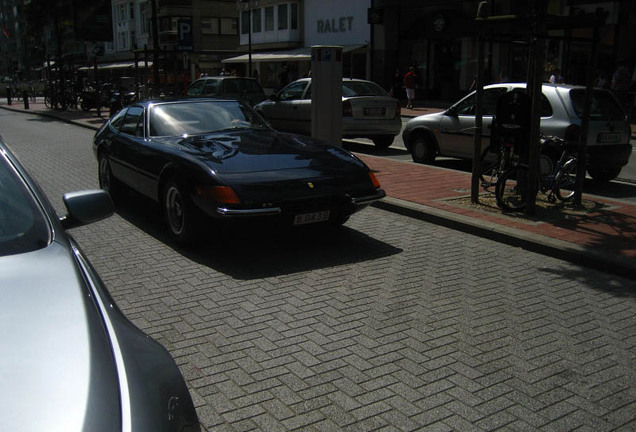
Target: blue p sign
[{"x": 185, "y": 37}]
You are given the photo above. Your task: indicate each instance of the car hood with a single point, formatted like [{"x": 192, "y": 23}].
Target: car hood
[
  {"x": 252, "y": 150},
  {"x": 429, "y": 120},
  {"x": 57, "y": 370}
]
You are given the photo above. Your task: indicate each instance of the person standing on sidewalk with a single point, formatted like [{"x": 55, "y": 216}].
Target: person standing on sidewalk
[{"x": 410, "y": 81}]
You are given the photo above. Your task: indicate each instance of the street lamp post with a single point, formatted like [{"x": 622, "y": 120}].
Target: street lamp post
[{"x": 247, "y": 6}]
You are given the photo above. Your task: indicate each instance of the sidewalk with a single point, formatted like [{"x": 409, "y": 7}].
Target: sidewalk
[{"x": 602, "y": 235}]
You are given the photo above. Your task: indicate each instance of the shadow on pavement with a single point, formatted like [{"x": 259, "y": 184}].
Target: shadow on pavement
[{"x": 252, "y": 250}]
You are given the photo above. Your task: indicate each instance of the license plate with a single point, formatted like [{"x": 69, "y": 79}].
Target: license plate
[
  {"x": 307, "y": 218},
  {"x": 374, "y": 111},
  {"x": 608, "y": 137}
]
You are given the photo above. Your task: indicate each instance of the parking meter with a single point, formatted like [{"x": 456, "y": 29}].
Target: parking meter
[
  {"x": 512, "y": 121},
  {"x": 326, "y": 93}
]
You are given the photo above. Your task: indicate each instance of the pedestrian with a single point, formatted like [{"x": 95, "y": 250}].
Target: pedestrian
[
  {"x": 556, "y": 77},
  {"x": 621, "y": 81},
  {"x": 396, "y": 85},
  {"x": 283, "y": 77},
  {"x": 410, "y": 81}
]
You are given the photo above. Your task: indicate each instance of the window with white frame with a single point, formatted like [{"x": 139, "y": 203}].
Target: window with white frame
[
  {"x": 294, "y": 16},
  {"x": 282, "y": 17},
  {"x": 229, "y": 26},
  {"x": 269, "y": 18},
  {"x": 256, "y": 21},
  {"x": 210, "y": 25}
]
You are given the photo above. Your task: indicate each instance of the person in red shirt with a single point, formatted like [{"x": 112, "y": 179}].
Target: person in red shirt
[{"x": 410, "y": 81}]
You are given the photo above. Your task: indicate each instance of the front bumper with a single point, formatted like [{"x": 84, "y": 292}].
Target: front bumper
[{"x": 349, "y": 205}]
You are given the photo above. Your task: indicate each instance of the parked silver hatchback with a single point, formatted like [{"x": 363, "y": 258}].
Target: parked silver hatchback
[
  {"x": 367, "y": 110},
  {"x": 450, "y": 133}
]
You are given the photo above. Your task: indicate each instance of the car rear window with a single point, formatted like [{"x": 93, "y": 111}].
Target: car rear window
[
  {"x": 362, "y": 88},
  {"x": 23, "y": 226},
  {"x": 604, "y": 106}
]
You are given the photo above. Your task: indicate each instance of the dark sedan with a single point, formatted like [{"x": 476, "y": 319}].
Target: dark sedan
[
  {"x": 212, "y": 158},
  {"x": 70, "y": 360}
]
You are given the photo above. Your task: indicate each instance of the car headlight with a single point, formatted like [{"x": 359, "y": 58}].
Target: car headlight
[{"x": 220, "y": 194}]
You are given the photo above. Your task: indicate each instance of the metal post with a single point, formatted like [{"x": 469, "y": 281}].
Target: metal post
[{"x": 474, "y": 185}]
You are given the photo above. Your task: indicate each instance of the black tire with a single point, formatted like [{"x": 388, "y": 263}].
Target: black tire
[
  {"x": 106, "y": 180},
  {"x": 511, "y": 189},
  {"x": 383, "y": 141},
  {"x": 182, "y": 218},
  {"x": 603, "y": 175},
  {"x": 422, "y": 150},
  {"x": 490, "y": 166},
  {"x": 565, "y": 187}
]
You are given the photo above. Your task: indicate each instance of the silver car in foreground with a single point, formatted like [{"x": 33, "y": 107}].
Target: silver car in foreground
[
  {"x": 450, "y": 133},
  {"x": 367, "y": 110},
  {"x": 70, "y": 360}
]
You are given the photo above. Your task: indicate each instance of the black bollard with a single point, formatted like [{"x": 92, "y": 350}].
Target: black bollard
[
  {"x": 8, "y": 95},
  {"x": 25, "y": 95}
]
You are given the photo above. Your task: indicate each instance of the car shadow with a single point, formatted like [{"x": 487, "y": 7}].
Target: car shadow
[
  {"x": 370, "y": 149},
  {"x": 254, "y": 250}
]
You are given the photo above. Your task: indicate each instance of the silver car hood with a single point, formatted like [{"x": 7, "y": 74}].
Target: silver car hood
[{"x": 56, "y": 370}]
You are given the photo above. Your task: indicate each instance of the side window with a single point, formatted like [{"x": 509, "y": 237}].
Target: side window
[
  {"x": 546, "y": 108},
  {"x": 132, "y": 124},
  {"x": 115, "y": 122},
  {"x": 293, "y": 91},
  {"x": 196, "y": 88},
  {"x": 211, "y": 87},
  {"x": 467, "y": 106},
  {"x": 490, "y": 100}
]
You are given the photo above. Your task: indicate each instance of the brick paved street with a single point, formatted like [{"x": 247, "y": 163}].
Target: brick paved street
[{"x": 391, "y": 324}]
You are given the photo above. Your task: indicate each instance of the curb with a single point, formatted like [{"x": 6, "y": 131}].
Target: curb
[{"x": 529, "y": 241}]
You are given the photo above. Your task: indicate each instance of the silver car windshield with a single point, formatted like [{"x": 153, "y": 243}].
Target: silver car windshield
[
  {"x": 196, "y": 118},
  {"x": 23, "y": 226}
]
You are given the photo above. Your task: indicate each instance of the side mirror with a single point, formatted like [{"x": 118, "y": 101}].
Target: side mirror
[
  {"x": 86, "y": 207},
  {"x": 452, "y": 111},
  {"x": 274, "y": 97}
]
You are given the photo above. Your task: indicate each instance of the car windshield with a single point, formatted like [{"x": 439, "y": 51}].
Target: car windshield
[
  {"x": 23, "y": 226},
  {"x": 196, "y": 118},
  {"x": 603, "y": 108},
  {"x": 362, "y": 88}
]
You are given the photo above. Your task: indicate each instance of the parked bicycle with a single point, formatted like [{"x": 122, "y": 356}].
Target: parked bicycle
[{"x": 558, "y": 180}]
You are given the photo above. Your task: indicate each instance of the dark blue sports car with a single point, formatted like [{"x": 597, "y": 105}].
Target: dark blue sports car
[{"x": 212, "y": 158}]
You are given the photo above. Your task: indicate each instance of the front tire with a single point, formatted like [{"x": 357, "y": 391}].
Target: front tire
[
  {"x": 181, "y": 215},
  {"x": 423, "y": 150},
  {"x": 511, "y": 190},
  {"x": 107, "y": 181},
  {"x": 565, "y": 188}
]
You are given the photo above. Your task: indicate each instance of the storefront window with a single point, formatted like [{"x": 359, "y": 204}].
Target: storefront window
[{"x": 245, "y": 22}]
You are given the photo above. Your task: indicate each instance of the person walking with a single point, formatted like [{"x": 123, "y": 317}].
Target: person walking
[
  {"x": 397, "y": 85},
  {"x": 410, "y": 81}
]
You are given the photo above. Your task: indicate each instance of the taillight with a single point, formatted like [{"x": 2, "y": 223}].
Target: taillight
[
  {"x": 376, "y": 183},
  {"x": 398, "y": 110},
  {"x": 347, "y": 109},
  {"x": 572, "y": 133}
]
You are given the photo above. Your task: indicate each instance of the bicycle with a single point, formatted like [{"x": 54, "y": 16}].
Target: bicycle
[{"x": 511, "y": 190}]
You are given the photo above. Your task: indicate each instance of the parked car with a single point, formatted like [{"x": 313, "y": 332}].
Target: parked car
[
  {"x": 208, "y": 159},
  {"x": 70, "y": 359},
  {"x": 228, "y": 87},
  {"x": 367, "y": 110},
  {"x": 450, "y": 133}
]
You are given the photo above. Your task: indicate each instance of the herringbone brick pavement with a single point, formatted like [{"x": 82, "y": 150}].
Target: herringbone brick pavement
[{"x": 390, "y": 324}]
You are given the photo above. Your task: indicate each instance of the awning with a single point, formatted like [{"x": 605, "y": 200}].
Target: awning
[
  {"x": 297, "y": 54},
  {"x": 118, "y": 65}
]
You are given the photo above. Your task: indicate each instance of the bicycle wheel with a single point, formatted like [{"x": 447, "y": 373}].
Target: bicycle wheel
[
  {"x": 490, "y": 166},
  {"x": 511, "y": 189},
  {"x": 565, "y": 181}
]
